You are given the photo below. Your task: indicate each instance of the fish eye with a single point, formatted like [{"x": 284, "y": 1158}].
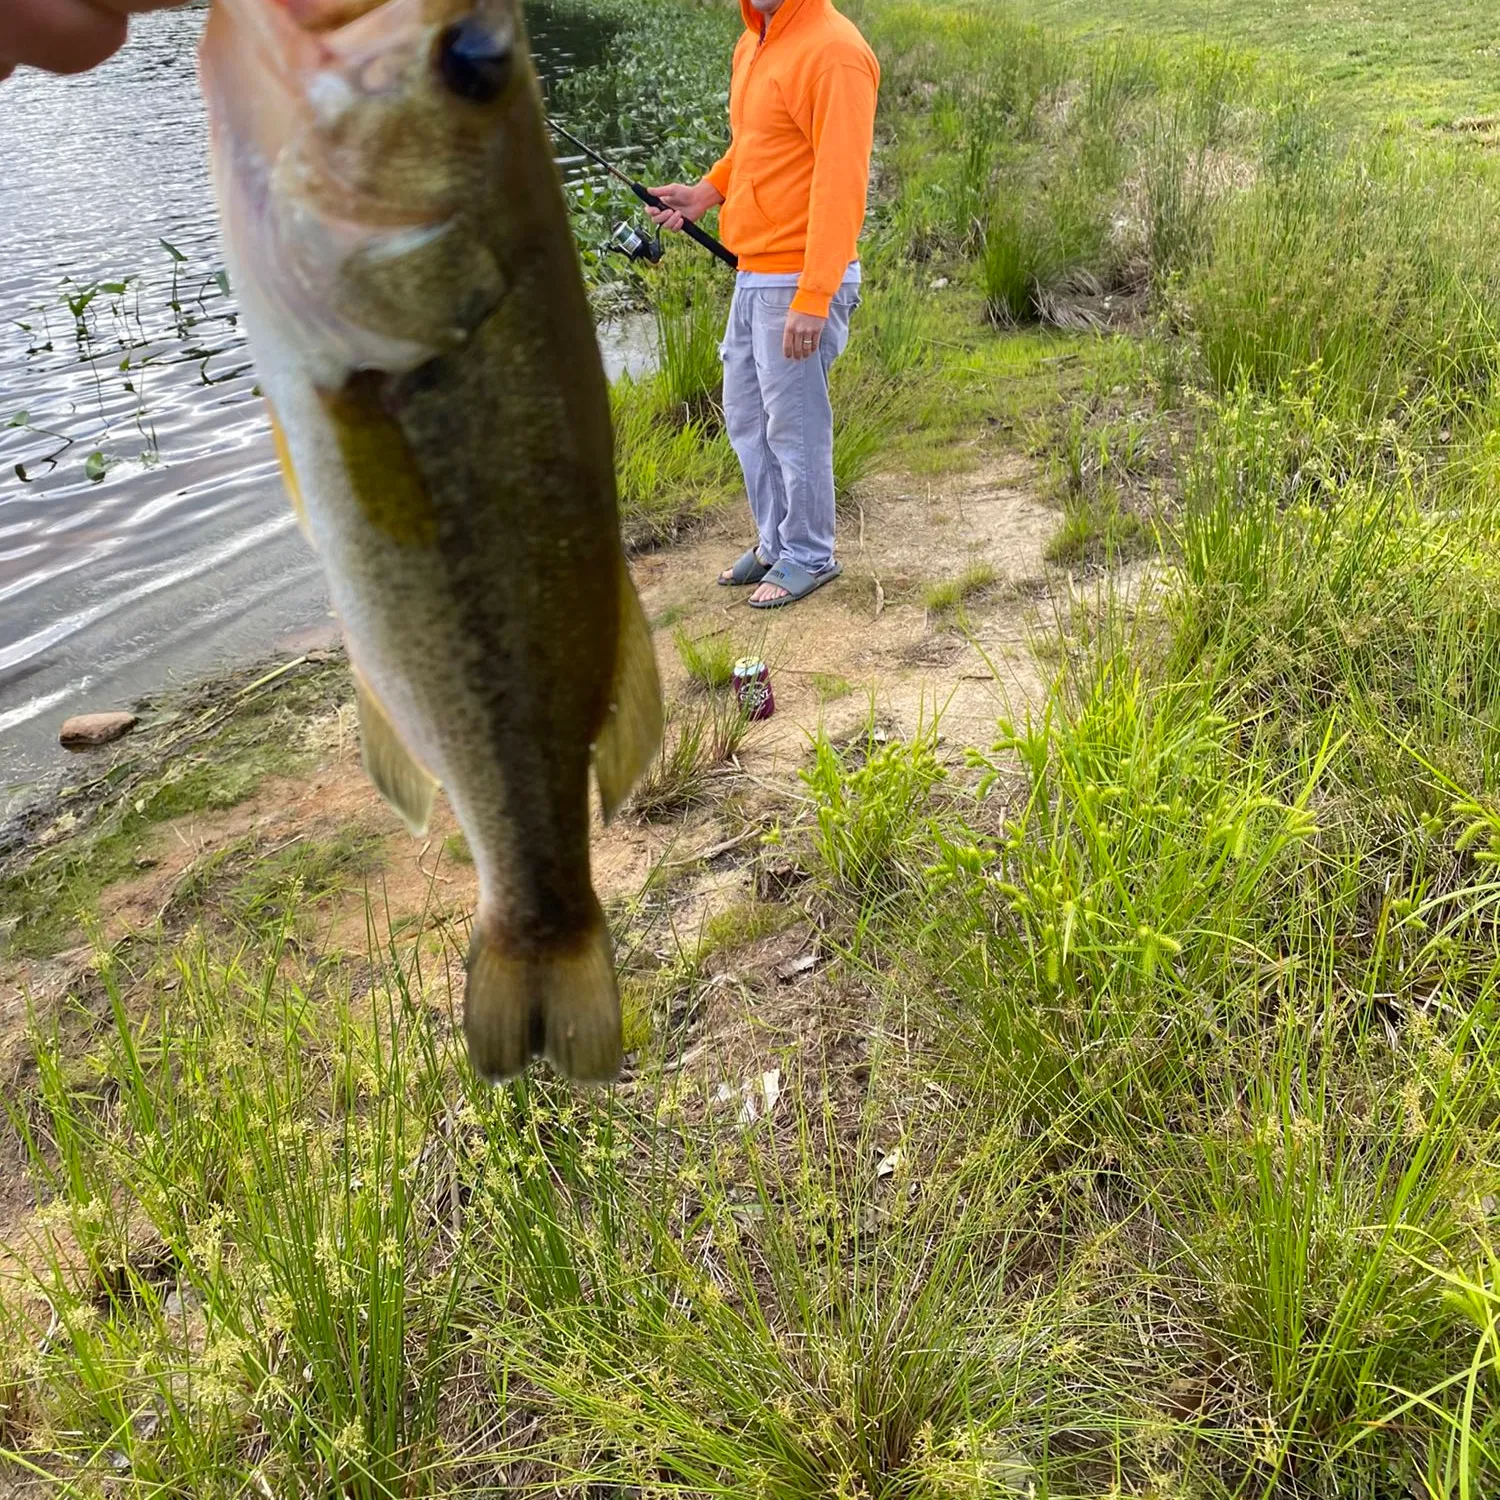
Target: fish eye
[{"x": 474, "y": 61}]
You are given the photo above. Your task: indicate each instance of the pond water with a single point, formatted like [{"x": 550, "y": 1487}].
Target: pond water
[{"x": 144, "y": 536}]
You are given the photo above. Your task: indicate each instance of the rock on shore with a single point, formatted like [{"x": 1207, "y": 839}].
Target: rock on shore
[{"x": 85, "y": 731}]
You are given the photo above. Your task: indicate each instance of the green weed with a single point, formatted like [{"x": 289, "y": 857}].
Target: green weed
[
  {"x": 669, "y": 471},
  {"x": 1013, "y": 261},
  {"x": 830, "y": 687},
  {"x": 708, "y": 659},
  {"x": 950, "y": 593},
  {"x": 865, "y": 407},
  {"x": 1097, "y": 528},
  {"x": 698, "y": 740},
  {"x": 691, "y": 307},
  {"x": 871, "y": 799},
  {"x": 742, "y": 924},
  {"x": 892, "y": 324}
]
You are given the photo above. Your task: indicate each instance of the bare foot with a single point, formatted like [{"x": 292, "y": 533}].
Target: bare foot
[{"x": 767, "y": 592}]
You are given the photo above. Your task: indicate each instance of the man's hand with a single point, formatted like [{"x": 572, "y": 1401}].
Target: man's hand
[
  {"x": 684, "y": 203},
  {"x": 64, "y": 36},
  {"x": 802, "y": 334}
]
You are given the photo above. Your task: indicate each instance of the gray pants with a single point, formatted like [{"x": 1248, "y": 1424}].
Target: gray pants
[{"x": 780, "y": 422}]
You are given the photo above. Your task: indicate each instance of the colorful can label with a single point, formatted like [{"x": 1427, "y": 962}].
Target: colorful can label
[{"x": 752, "y": 688}]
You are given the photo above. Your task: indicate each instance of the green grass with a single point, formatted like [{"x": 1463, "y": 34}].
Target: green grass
[
  {"x": 708, "y": 659},
  {"x": 698, "y": 740},
  {"x": 1097, "y": 528},
  {"x": 207, "y": 756},
  {"x": 691, "y": 303},
  {"x": 249, "y": 887},
  {"x": 1013, "y": 261},
  {"x": 672, "y": 469},
  {"x": 742, "y": 924},
  {"x": 948, "y": 594},
  {"x": 1378, "y": 59}
]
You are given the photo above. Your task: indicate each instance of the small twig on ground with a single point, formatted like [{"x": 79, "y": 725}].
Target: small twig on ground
[{"x": 715, "y": 850}]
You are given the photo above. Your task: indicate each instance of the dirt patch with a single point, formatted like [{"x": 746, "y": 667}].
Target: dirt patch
[
  {"x": 866, "y": 645},
  {"x": 869, "y": 643}
]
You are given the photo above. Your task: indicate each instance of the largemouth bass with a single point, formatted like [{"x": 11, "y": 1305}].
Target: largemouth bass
[{"x": 398, "y": 240}]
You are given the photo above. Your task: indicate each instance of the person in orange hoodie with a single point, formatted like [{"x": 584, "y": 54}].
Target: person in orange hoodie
[{"x": 793, "y": 186}]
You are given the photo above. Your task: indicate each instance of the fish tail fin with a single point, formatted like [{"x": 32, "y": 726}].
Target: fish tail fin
[{"x": 560, "y": 1000}]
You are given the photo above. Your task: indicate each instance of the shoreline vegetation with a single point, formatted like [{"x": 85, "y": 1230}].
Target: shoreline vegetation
[{"x": 1107, "y": 1108}]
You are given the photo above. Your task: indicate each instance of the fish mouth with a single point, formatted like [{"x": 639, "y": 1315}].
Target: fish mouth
[
  {"x": 473, "y": 41},
  {"x": 327, "y": 15}
]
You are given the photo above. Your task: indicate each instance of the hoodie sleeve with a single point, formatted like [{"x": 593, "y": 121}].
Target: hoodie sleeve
[
  {"x": 718, "y": 174},
  {"x": 842, "y": 130}
]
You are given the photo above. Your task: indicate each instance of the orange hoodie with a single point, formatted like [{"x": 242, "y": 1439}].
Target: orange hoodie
[{"x": 801, "y": 119}]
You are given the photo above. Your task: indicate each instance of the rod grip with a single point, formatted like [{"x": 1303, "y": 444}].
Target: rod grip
[{"x": 691, "y": 230}]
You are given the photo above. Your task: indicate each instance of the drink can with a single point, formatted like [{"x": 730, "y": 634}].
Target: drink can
[{"x": 752, "y": 688}]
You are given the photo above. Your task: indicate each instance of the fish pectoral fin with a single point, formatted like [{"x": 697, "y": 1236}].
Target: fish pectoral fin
[
  {"x": 390, "y": 765},
  {"x": 631, "y": 734},
  {"x": 560, "y": 1000},
  {"x": 289, "y": 474}
]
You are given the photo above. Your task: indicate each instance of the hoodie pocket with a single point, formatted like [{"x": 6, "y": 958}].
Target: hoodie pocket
[{"x": 744, "y": 223}]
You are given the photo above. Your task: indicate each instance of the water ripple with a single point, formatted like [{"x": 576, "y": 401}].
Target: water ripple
[{"x": 144, "y": 537}]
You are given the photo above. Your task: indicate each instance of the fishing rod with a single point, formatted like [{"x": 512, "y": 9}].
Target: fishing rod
[{"x": 691, "y": 230}]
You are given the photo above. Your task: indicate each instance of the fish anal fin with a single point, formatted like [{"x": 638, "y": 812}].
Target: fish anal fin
[
  {"x": 289, "y": 473},
  {"x": 628, "y": 742},
  {"x": 559, "y": 1000},
  {"x": 397, "y": 776}
]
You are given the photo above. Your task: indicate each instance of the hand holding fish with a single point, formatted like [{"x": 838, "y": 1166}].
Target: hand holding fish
[{"x": 65, "y": 36}]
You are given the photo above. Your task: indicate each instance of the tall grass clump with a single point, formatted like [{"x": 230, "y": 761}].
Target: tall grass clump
[
  {"x": 236, "y": 1235},
  {"x": 891, "y": 326},
  {"x": 1344, "y": 278},
  {"x": 949, "y": 594},
  {"x": 1178, "y": 194},
  {"x": 690, "y": 306},
  {"x": 669, "y": 470},
  {"x": 891, "y": 351},
  {"x": 698, "y": 740},
  {"x": 1098, "y": 528},
  {"x": 708, "y": 659},
  {"x": 1116, "y": 74},
  {"x": 866, "y": 409},
  {"x": 1013, "y": 261},
  {"x": 1334, "y": 575}
]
